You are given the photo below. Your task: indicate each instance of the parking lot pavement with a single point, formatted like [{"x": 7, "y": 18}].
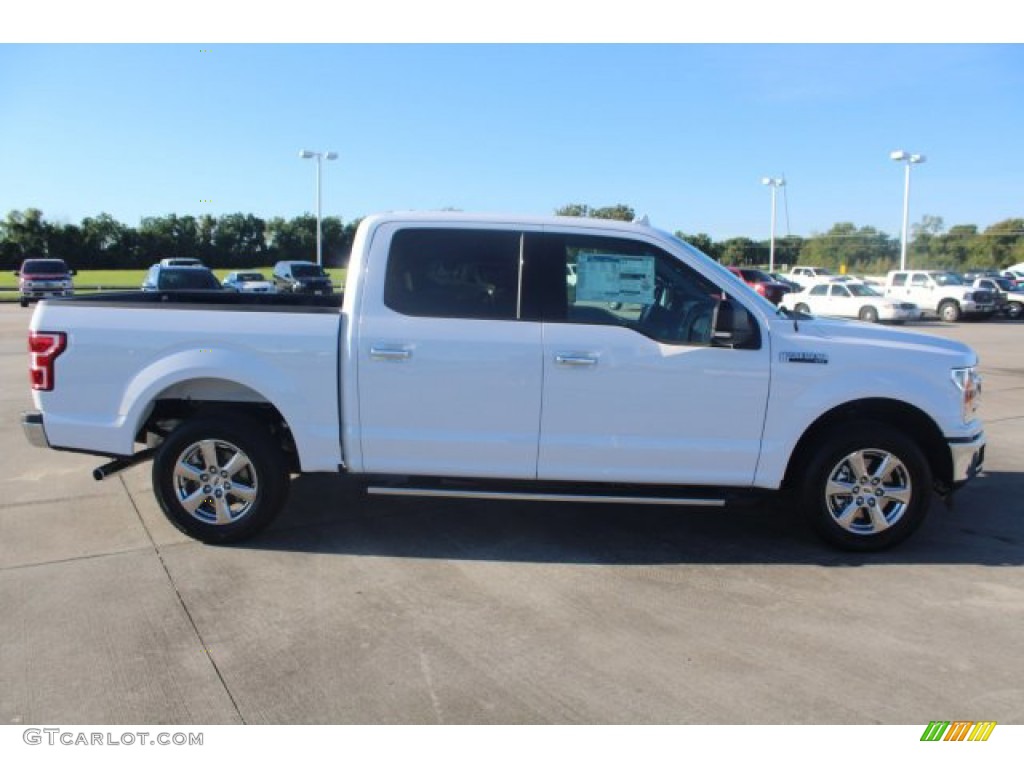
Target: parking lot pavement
[{"x": 367, "y": 610}]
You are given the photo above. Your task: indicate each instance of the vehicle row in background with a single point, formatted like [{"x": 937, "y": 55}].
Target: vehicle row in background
[{"x": 192, "y": 275}]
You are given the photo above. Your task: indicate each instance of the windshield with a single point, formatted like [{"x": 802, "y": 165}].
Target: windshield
[
  {"x": 947, "y": 278},
  {"x": 730, "y": 280},
  {"x": 860, "y": 289},
  {"x": 44, "y": 267},
  {"x": 307, "y": 270},
  {"x": 249, "y": 277}
]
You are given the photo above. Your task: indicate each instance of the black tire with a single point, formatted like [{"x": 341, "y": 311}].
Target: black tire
[
  {"x": 866, "y": 513},
  {"x": 949, "y": 311},
  {"x": 23, "y": 302},
  {"x": 803, "y": 308},
  {"x": 240, "y": 497},
  {"x": 868, "y": 314},
  {"x": 1014, "y": 310}
]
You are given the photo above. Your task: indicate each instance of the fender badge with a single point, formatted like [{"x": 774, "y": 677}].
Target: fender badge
[{"x": 818, "y": 358}]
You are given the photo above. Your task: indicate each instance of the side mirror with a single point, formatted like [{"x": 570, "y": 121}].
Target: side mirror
[{"x": 734, "y": 327}]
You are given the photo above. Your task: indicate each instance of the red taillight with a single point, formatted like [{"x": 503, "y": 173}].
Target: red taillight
[{"x": 43, "y": 349}]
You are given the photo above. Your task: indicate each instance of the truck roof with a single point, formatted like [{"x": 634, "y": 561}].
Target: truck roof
[{"x": 509, "y": 219}]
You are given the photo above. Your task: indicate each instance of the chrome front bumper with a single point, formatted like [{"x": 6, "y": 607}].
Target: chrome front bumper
[
  {"x": 32, "y": 426},
  {"x": 968, "y": 458}
]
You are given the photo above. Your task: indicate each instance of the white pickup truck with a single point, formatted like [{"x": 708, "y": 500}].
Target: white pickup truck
[
  {"x": 940, "y": 293},
  {"x": 464, "y": 361}
]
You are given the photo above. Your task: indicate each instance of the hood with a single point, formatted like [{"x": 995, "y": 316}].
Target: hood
[{"x": 852, "y": 332}]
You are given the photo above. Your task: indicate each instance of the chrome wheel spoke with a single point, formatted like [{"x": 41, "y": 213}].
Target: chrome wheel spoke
[
  {"x": 192, "y": 501},
  {"x": 857, "y": 465},
  {"x": 838, "y": 488},
  {"x": 223, "y": 511},
  {"x": 878, "y": 521},
  {"x": 208, "y": 449},
  {"x": 243, "y": 492},
  {"x": 184, "y": 470},
  {"x": 236, "y": 464},
  {"x": 900, "y": 495},
  {"x": 846, "y": 517}
]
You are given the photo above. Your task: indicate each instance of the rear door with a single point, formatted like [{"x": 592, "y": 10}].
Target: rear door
[{"x": 449, "y": 361}]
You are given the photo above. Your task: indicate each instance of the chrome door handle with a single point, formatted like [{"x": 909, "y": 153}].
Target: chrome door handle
[
  {"x": 579, "y": 361},
  {"x": 390, "y": 353}
]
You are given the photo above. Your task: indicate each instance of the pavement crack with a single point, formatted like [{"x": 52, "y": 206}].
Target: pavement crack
[{"x": 184, "y": 606}]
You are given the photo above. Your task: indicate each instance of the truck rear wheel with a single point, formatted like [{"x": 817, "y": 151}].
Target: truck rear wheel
[
  {"x": 220, "y": 480},
  {"x": 867, "y": 488},
  {"x": 949, "y": 311}
]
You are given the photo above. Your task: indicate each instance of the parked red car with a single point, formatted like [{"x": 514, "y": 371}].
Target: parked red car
[{"x": 762, "y": 283}]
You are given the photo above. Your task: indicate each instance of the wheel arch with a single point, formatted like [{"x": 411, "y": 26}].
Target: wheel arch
[
  {"x": 914, "y": 422},
  {"x": 185, "y": 400}
]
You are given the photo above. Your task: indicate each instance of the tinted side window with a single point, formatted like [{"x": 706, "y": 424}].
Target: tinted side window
[
  {"x": 919, "y": 280},
  {"x": 454, "y": 273},
  {"x": 633, "y": 284},
  {"x": 899, "y": 279},
  {"x": 819, "y": 290}
]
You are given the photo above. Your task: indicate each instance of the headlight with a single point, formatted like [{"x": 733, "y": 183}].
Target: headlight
[{"x": 968, "y": 382}]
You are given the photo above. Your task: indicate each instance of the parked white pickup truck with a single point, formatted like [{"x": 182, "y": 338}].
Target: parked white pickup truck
[
  {"x": 940, "y": 293},
  {"x": 465, "y": 362}
]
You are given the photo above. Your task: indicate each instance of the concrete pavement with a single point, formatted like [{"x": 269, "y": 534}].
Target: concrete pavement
[{"x": 367, "y": 610}]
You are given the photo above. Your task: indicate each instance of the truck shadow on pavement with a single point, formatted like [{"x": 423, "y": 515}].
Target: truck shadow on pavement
[{"x": 331, "y": 515}]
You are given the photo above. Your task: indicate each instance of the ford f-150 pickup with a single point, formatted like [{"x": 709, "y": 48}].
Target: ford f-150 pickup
[{"x": 502, "y": 357}]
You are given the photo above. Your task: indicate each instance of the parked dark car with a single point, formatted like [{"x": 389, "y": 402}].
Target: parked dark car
[
  {"x": 43, "y": 278},
  {"x": 762, "y": 283},
  {"x": 162, "y": 278},
  {"x": 301, "y": 277}
]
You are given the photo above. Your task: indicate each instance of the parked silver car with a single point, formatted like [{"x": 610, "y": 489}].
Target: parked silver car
[{"x": 248, "y": 282}]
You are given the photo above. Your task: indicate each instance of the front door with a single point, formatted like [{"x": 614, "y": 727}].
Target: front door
[{"x": 634, "y": 391}]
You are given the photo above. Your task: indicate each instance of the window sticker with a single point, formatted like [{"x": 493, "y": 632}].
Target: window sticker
[{"x": 611, "y": 277}]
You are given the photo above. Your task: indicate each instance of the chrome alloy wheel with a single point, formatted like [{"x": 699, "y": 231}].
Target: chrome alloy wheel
[
  {"x": 215, "y": 482},
  {"x": 868, "y": 491}
]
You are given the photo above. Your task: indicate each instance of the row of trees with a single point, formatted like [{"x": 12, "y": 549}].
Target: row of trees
[
  {"x": 233, "y": 240},
  {"x": 863, "y": 250},
  {"x": 244, "y": 240}
]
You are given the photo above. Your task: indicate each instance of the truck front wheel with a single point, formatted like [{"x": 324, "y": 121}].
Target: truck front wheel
[
  {"x": 220, "y": 480},
  {"x": 949, "y": 311},
  {"x": 868, "y": 488}
]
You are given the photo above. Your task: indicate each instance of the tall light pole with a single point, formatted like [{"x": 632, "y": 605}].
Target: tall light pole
[
  {"x": 306, "y": 154},
  {"x": 909, "y": 159},
  {"x": 774, "y": 184}
]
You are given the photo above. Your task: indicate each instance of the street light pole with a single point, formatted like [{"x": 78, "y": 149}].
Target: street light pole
[
  {"x": 774, "y": 184},
  {"x": 306, "y": 154},
  {"x": 909, "y": 159}
]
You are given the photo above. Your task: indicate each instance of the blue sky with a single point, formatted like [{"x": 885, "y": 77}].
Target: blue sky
[{"x": 681, "y": 132}]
